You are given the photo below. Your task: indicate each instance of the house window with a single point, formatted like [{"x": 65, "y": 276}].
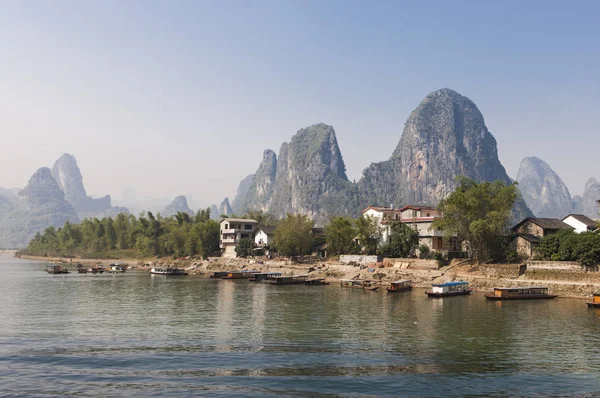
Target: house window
[
  {"x": 245, "y": 236},
  {"x": 248, "y": 227},
  {"x": 428, "y": 215},
  {"x": 414, "y": 213}
]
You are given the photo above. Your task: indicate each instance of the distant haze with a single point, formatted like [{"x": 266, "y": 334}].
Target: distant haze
[{"x": 158, "y": 99}]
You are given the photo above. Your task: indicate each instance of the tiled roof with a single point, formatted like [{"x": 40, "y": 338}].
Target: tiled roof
[
  {"x": 545, "y": 223},
  {"x": 530, "y": 238}
]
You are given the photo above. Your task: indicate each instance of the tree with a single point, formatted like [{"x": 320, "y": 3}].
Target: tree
[
  {"x": 245, "y": 247},
  {"x": 401, "y": 242},
  {"x": 478, "y": 214},
  {"x": 369, "y": 233},
  {"x": 340, "y": 234},
  {"x": 293, "y": 235}
]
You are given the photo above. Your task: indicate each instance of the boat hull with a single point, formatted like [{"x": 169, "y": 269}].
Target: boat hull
[
  {"x": 448, "y": 294},
  {"x": 523, "y": 297},
  {"x": 402, "y": 289},
  {"x": 593, "y": 305}
]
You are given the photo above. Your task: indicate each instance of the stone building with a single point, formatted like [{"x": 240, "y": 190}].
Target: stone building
[{"x": 529, "y": 232}]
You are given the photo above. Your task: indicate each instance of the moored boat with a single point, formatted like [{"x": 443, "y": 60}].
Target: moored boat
[
  {"x": 117, "y": 268},
  {"x": 316, "y": 282},
  {"x": 56, "y": 269},
  {"x": 403, "y": 285},
  {"x": 520, "y": 293},
  {"x": 81, "y": 269},
  {"x": 244, "y": 274},
  {"x": 595, "y": 303},
  {"x": 449, "y": 289},
  {"x": 365, "y": 284},
  {"x": 219, "y": 274},
  {"x": 168, "y": 271},
  {"x": 289, "y": 280},
  {"x": 263, "y": 276}
]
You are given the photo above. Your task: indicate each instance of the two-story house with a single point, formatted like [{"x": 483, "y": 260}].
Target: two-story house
[
  {"x": 232, "y": 231},
  {"x": 529, "y": 232},
  {"x": 419, "y": 218}
]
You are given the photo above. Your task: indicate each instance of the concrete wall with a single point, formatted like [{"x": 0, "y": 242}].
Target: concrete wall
[
  {"x": 411, "y": 263},
  {"x": 569, "y": 266},
  {"x": 358, "y": 259}
]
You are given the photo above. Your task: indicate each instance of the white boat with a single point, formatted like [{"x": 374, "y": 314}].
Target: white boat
[
  {"x": 117, "y": 268},
  {"x": 168, "y": 271}
]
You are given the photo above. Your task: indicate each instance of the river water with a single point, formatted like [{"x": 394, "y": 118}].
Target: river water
[{"x": 140, "y": 335}]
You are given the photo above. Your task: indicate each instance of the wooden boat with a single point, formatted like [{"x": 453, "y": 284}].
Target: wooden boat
[
  {"x": 316, "y": 282},
  {"x": 403, "y": 285},
  {"x": 289, "y": 280},
  {"x": 520, "y": 293},
  {"x": 359, "y": 284},
  {"x": 168, "y": 271},
  {"x": 244, "y": 274},
  {"x": 263, "y": 276},
  {"x": 595, "y": 303},
  {"x": 449, "y": 289},
  {"x": 81, "y": 269},
  {"x": 219, "y": 274},
  {"x": 56, "y": 269}
]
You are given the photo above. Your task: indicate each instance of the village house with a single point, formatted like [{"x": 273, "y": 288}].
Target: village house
[
  {"x": 580, "y": 223},
  {"x": 420, "y": 219},
  {"x": 232, "y": 231},
  {"x": 263, "y": 235},
  {"x": 529, "y": 232}
]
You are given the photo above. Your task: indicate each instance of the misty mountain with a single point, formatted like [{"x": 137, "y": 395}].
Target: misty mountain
[
  {"x": 178, "y": 205},
  {"x": 543, "y": 190}
]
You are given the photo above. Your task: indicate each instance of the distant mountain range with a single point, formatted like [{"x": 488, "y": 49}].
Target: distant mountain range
[
  {"x": 445, "y": 136},
  {"x": 547, "y": 195},
  {"x": 51, "y": 198}
]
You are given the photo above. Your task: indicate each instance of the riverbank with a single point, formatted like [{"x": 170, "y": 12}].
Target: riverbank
[{"x": 575, "y": 284}]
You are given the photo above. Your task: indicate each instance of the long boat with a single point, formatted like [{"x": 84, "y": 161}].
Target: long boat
[
  {"x": 403, "y": 285},
  {"x": 289, "y": 280},
  {"x": 168, "y": 271},
  {"x": 365, "y": 284},
  {"x": 56, "y": 269},
  {"x": 244, "y": 274},
  {"x": 595, "y": 303},
  {"x": 449, "y": 289},
  {"x": 219, "y": 274},
  {"x": 520, "y": 293},
  {"x": 117, "y": 268},
  {"x": 263, "y": 276},
  {"x": 316, "y": 282}
]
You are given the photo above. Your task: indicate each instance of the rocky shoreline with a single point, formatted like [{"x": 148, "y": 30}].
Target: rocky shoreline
[{"x": 574, "y": 284}]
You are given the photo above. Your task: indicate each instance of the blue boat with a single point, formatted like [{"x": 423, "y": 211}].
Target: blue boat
[{"x": 449, "y": 289}]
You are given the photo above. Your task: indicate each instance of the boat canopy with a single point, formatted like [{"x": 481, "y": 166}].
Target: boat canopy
[
  {"x": 451, "y": 284},
  {"x": 521, "y": 288}
]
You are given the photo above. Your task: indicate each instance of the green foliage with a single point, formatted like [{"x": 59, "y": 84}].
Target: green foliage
[
  {"x": 401, "y": 242},
  {"x": 146, "y": 236},
  {"x": 479, "y": 214},
  {"x": 424, "y": 251},
  {"x": 340, "y": 234},
  {"x": 244, "y": 248},
  {"x": 293, "y": 236},
  {"x": 566, "y": 245},
  {"x": 369, "y": 233}
]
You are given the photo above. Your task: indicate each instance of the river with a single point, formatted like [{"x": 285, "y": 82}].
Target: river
[{"x": 139, "y": 335}]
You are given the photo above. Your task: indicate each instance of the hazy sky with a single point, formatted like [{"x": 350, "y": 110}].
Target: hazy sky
[{"x": 173, "y": 97}]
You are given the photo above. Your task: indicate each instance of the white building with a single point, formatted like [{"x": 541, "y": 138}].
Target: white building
[
  {"x": 417, "y": 217},
  {"x": 580, "y": 223},
  {"x": 232, "y": 231},
  {"x": 264, "y": 236}
]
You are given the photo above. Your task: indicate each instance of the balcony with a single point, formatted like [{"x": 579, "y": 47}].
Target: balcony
[{"x": 229, "y": 240}]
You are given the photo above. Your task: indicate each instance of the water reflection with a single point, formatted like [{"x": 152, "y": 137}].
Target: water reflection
[{"x": 159, "y": 336}]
